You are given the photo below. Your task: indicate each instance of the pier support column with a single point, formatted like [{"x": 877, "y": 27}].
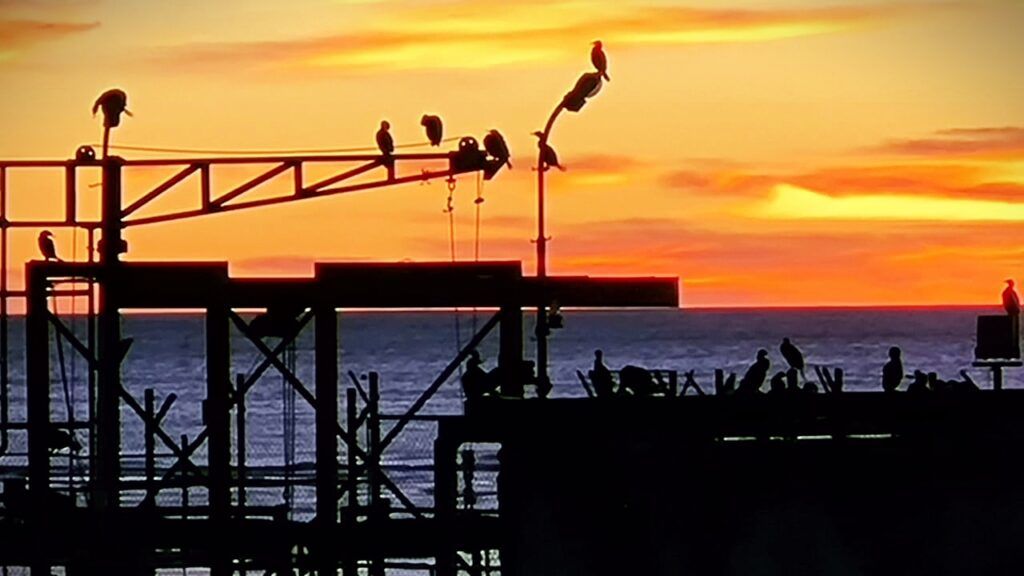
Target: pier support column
[
  {"x": 510, "y": 352},
  {"x": 37, "y": 356},
  {"x": 326, "y": 365},
  {"x": 446, "y": 483},
  {"x": 216, "y": 413}
]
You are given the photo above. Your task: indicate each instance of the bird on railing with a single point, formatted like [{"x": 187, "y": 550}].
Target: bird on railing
[
  {"x": 494, "y": 144},
  {"x": 547, "y": 154},
  {"x": 384, "y": 140},
  {"x": 434, "y": 128},
  {"x": 47, "y": 247},
  {"x": 599, "y": 59}
]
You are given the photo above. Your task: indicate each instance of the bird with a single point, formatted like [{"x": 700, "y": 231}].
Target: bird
[
  {"x": 495, "y": 145},
  {"x": 384, "y": 141},
  {"x": 547, "y": 154},
  {"x": 47, "y": 247},
  {"x": 1011, "y": 302},
  {"x": 113, "y": 102},
  {"x": 600, "y": 60},
  {"x": 792, "y": 354},
  {"x": 755, "y": 375},
  {"x": 434, "y": 127}
]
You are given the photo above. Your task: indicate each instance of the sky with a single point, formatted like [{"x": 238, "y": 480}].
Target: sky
[{"x": 768, "y": 153}]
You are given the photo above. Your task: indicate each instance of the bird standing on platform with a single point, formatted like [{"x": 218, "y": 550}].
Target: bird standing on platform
[
  {"x": 494, "y": 144},
  {"x": 793, "y": 356},
  {"x": 1011, "y": 302},
  {"x": 547, "y": 154},
  {"x": 384, "y": 140},
  {"x": 47, "y": 247},
  {"x": 599, "y": 59},
  {"x": 434, "y": 128},
  {"x": 755, "y": 375}
]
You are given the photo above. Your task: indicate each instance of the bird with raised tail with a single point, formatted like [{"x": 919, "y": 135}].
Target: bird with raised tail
[
  {"x": 434, "y": 128},
  {"x": 494, "y": 144},
  {"x": 384, "y": 140},
  {"x": 599, "y": 59},
  {"x": 47, "y": 247},
  {"x": 547, "y": 154}
]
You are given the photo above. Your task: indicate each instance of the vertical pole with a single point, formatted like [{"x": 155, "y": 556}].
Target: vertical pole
[
  {"x": 510, "y": 349},
  {"x": 445, "y": 492},
  {"x": 218, "y": 422},
  {"x": 37, "y": 352},
  {"x": 352, "y": 479},
  {"x": 373, "y": 472},
  {"x": 108, "y": 401},
  {"x": 150, "y": 434},
  {"x": 240, "y": 432},
  {"x": 326, "y": 364},
  {"x": 4, "y": 344}
]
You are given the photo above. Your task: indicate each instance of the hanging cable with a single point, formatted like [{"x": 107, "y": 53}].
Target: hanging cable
[
  {"x": 450, "y": 210},
  {"x": 170, "y": 150}
]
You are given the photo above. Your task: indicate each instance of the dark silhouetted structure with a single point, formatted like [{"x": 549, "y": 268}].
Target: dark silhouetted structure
[
  {"x": 600, "y": 61},
  {"x": 792, "y": 354},
  {"x": 892, "y": 371},
  {"x": 494, "y": 144},
  {"x": 434, "y": 128},
  {"x": 47, "y": 247}
]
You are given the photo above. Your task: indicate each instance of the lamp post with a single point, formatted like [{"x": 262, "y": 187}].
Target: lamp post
[{"x": 588, "y": 85}]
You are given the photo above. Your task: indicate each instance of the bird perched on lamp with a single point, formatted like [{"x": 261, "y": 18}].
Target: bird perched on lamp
[
  {"x": 599, "y": 59},
  {"x": 384, "y": 140},
  {"x": 434, "y": 128},
  {"x": 47, "y": 247},
  {"x": 113, "y": 102},
  {"x": 547, "y": 154},
  {"x": 494, "y": 144}
]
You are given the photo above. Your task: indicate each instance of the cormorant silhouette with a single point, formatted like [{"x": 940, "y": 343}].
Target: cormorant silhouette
[
  {"x": 755, "y": 375},
  {"x": 792, "y": 354},
  {"x": 434, "y": 128},
  {"x": 599, "y": 59},
  {"x": 892, "y": 372},
  {"x": 548, "y": 156},
  {"x": 47, "y": 247},
  {"x": 1011, "y": 302},
  {"x": 384, "y": 141},
  {"x": 113, "y": 102},
  {"x": 494, "y": 144}
]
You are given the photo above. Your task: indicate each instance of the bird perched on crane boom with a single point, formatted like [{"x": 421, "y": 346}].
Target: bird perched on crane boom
[
  {"x": 494, "y": 144},
  {"x": 547, "y": 154},
  {"x": 599, "y": 59},
  {"x": 384, "y": 140},
  {"x": 47, "y": 247},
  {"x": 434, "y": 128}
]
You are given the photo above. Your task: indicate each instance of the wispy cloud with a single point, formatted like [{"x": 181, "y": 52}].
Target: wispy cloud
[{"x": 474, "y": 35}]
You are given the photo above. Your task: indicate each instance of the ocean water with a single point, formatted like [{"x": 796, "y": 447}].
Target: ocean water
[{"x": 409, "y": 349}]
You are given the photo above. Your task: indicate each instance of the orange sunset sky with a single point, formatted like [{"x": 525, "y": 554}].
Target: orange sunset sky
[{"x": 772, "y": 152}]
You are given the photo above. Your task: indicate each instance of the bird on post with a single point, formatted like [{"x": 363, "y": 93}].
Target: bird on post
[
  {"x": 494, "y": 144},
  {"x": 793, "y": 356},
  {"x": 47, "y": 247},
  {"x": 547, "y": 154},
  {"x": 384, "y": 140},
  {"x": 599, "y": 59},
  {"x": 434, "y": 128},
  {"x": 113, "y": 102}
]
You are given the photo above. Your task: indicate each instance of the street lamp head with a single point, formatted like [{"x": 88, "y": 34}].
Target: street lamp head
[{"x": 586, "y": 87}]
